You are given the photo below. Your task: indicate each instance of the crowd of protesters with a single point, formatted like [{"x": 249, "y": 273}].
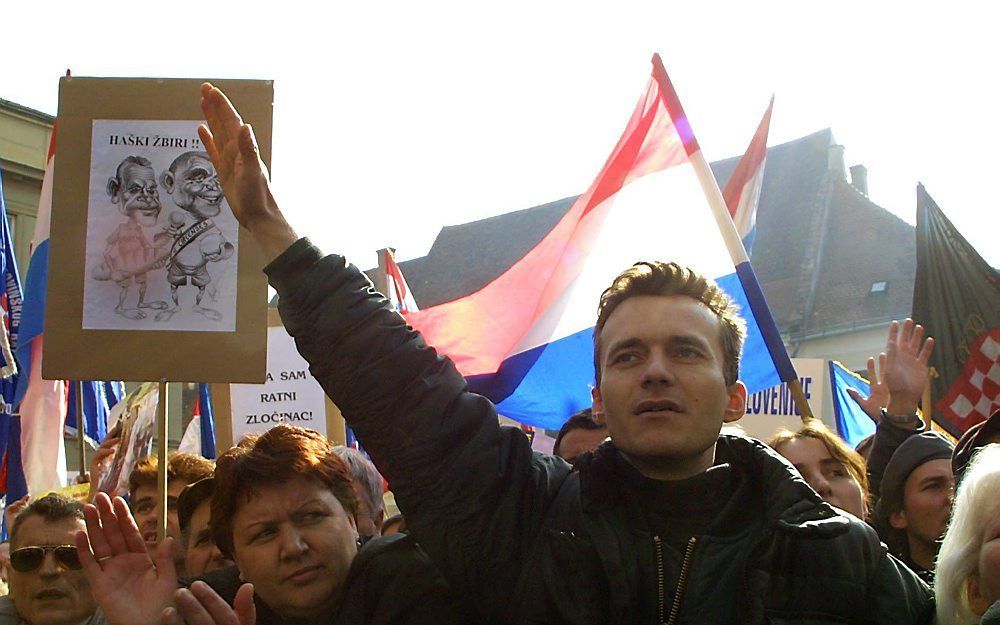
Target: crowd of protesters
[{"x": 652, "y": 508}]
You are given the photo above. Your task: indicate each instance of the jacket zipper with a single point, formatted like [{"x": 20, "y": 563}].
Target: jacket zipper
[
  {"x": 681, "y": 583},
  {"x": 660, "y": 591}
]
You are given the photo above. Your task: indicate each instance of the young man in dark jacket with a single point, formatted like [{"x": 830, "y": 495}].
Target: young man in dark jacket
[{"x": 667, "y": 523}]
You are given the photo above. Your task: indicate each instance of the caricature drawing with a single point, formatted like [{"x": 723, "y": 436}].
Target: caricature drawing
[
  {"x": 194, "y": 187},
  {"x": 127, "y": 252}
]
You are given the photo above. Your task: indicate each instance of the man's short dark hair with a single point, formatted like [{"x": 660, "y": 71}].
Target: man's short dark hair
[
  {"x": 52, "y": 507},
  {"x": 188, "y": 467},
  {"x": 582, "y": 420},
  {"x": 659, "y": 278}
]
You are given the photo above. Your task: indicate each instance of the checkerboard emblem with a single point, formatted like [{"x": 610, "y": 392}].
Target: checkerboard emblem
[{"x": 975, "y": 394}]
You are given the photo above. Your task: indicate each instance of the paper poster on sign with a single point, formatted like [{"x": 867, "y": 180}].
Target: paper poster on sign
[
  {"x": 774, "y": 408},
  {"x": 161, "y": 240},
  {"x": 150, "y": 277},
  {"x": 290, "y": 395}
]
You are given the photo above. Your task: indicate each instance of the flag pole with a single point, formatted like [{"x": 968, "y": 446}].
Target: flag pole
[
  {"x": 720, "y": 211},
  {"x": 925, "y": 399},
  {"x": 799, "y": 397},
  {"x": 80, "y": 427},
  {"x": 161, "y": 469}
]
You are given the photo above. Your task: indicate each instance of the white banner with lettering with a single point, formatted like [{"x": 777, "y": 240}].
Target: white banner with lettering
[
  {"x": 290, "y": 395},
  {"x": 770, "y": 410}
]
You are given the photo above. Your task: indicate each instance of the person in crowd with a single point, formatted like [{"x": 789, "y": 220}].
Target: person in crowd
[
  {"x": 10, "y": 513},
  {"x": 283, "y": 510},
  {"x": 896, "y": 389},
  {"x": 194, "y": 508},
  {"x": 47, "y": 586},
  {"x": 668, "y": 522},
  {"x": 579, "y": 435},
  {"x": 912, "y": 514},
  {"x": 977, "y": 436},
  {"x": 368, "y": 489},
  {"x": 182, "y": 469},
  {"x": 828, "y": 464},
  {"x": 968, "y": 565}
]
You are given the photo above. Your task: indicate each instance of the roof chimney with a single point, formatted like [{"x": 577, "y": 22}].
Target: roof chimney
[
  {"x": 859, "y": 179},
  {"x": 835, "y": 161}
]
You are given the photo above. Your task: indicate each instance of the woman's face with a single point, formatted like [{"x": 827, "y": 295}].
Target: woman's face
[
  {"x": 985, "y": 590},
  {"x": 825, "y": 474},
  {"x": 295, "y": 543}
]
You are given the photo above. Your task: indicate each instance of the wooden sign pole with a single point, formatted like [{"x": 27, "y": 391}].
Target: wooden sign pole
[
  {"x": 161, "y": 469},
  {"x": 80, "y": 432}
]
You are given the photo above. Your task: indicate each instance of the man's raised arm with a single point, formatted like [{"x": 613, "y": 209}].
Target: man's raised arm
[
  {"x": 474, "y": 496},
  {"x": 244, "y": 177}
]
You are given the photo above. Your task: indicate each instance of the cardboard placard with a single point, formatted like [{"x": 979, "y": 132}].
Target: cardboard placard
[
  {"x": 150, "y": 276},
  {"x": 289, "y": 395}
]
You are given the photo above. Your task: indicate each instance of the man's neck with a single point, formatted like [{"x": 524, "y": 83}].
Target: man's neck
[
  {"x": 922, "y": 553},
  {"x": 671, "y": 469}
]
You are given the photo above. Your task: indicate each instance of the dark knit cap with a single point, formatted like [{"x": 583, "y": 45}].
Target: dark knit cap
[
  {"x": 915, "y": 451},
  {"x": 975, "y": 437}
]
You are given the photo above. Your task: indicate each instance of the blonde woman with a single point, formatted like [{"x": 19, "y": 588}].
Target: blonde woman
[{"x": 968, "y": 565}]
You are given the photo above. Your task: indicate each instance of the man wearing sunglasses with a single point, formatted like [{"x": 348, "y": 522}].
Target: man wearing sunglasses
[{"x": 47, "y": 585}]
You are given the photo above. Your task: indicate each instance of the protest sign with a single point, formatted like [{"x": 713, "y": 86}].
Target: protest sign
[
  {"x": 289, "y": 395},
  {"x": 774, "y": 408},
  {"x": 150, "y": 276},
  {"x": 136, "y": 417}
]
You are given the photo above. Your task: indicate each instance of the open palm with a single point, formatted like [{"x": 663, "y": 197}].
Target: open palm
[{"x": 130, "y": 588}]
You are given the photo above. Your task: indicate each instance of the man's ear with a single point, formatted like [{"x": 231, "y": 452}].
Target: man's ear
[
  {"x": 898, "y": 520},
  {"x": 597, "y": 409},
  {"x": 737, "y": 405},
  {"x": 113, "y": 188},
  {"x": 167, "y": 180}
]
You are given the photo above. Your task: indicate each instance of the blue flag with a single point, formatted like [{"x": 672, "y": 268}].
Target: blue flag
[
  {"x": 206, "y": 421},
  {"x": 12, "y": 484},
  {"x": 98, "y": 400},
  {"x": 853, "y": 423}
]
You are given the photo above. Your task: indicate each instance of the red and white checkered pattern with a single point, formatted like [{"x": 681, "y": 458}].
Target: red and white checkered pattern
[{"x": 975, "y": 394}]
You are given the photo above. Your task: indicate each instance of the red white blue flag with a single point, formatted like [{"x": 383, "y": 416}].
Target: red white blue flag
[
  {"x": 742, "y": 192},
  {"x": 525, "y": 340}
]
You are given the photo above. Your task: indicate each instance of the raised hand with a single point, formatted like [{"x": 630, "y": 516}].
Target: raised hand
[
  {"x": 902, "y": 371},
  {"x": 905, "y": 372},
  {"x": 878, "y": 396},
  {"x": 233, "y": 148},
  {"x": 130, "y": 588},
  {"x": 200, "y": 605}
]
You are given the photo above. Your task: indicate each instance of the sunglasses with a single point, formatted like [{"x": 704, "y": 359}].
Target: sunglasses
[{"x": 27, "y": 559}]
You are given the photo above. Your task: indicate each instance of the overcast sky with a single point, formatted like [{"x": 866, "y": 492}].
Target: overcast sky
[{"x": 393, "y": 119}]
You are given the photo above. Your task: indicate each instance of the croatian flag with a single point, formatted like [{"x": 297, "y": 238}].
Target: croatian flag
[
  {"x": 525, "y": 340},
  {"x": 742, "y": 192},
  {"x": 397, "y": 290},
  {"x": 43, "y": 403},
  {"x": 199, "y": 436}
]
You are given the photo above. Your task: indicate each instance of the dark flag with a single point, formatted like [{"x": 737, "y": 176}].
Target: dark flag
[{"x": 956, "y": 296}]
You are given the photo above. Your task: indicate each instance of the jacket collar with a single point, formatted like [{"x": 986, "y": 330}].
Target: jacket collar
[{"x": 789, "y": 504}]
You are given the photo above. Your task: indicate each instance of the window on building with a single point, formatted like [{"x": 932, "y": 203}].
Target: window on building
[{"x": 879, "y": 287}]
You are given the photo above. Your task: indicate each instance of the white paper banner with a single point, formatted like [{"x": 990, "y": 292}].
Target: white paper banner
[{"x": 291, "y": 395}]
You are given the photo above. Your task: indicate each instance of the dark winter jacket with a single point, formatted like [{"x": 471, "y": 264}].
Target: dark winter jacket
[
  {"x": 391, "y": 582},
  {"x": 528, "y": 539}
]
